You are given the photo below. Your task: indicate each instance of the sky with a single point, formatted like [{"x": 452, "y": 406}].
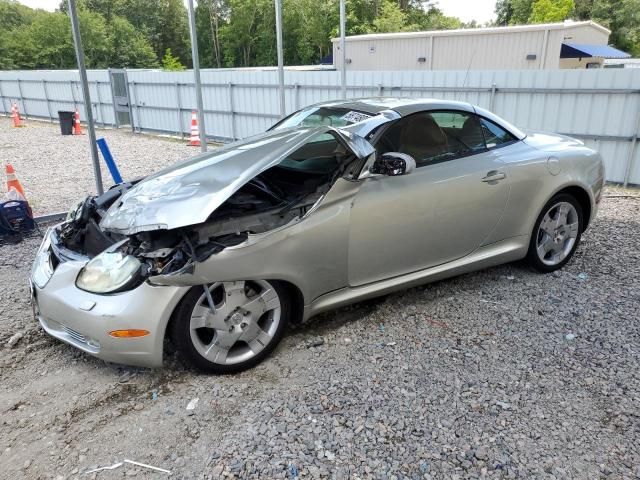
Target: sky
[{"x": 465, "y": 10}]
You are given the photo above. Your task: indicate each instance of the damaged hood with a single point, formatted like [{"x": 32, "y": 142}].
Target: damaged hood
[{"x": 188, "y": 192}]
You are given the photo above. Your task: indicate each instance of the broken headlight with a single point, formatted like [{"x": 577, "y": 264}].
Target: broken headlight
[
  {"x": 109, "y": 272},
  {"x": 75, "y": 212},
  {"x": 42, "y": 269}
]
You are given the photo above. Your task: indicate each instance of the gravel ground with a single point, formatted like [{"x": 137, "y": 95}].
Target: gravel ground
[
  {"x": 56, "y": 171},
  {"x": 502, "y": 373}
]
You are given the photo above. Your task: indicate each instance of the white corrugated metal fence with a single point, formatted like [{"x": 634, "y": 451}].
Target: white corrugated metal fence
[{"x": 601, "y": 107}]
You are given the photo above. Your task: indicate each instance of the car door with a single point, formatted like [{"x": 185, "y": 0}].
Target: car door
[{"x": 440, "y": 212}]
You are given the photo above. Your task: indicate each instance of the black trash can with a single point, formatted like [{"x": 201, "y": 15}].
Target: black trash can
[{"x": 66, "y": 122}]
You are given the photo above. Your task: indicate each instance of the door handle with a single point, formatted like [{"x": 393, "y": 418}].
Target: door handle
[{"x": 494, "y": 176}]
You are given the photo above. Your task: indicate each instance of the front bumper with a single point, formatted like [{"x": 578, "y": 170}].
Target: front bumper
[{"x": 84, "y": 319}]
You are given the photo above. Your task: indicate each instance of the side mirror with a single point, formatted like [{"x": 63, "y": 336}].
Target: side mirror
[{"x": 393, "y": 164}]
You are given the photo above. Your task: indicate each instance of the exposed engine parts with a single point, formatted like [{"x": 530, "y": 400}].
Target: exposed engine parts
[{"x": 277, "y": 197}]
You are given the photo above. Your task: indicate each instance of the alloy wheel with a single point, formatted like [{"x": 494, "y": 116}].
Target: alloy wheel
[
  {"x": 557, "y": 233},
  {"x": 243, "y": 321}
]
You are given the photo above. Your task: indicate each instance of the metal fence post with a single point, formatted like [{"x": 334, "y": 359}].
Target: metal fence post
[
  {"x": 97, "y": 83},
  {"x": 24, "y": 105},
  {"x": 46, "y": 97},
  {"x": 231, "y": 111},
  {"x": 492, "y": 97},
  {"x": 343, "y": 53},
  {"x": 280, "y": 55},
  {"x": 179, "y": 101},
  {"x": 135, "y": 111},
  {"x": 73, "y": 95},
  {"x": 296, "y": 86},
  {"x": 4, "y": 109},
  {"x": 632, "y": 146},
  {"x": 380, "y": 89}
]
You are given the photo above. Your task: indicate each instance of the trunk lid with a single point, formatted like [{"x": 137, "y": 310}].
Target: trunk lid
[{"x": 551, "y": 142}]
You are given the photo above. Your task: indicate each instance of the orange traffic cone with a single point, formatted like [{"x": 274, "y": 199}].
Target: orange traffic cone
[
  {"x": 15, "y": 114},
  {"x": 194, "y": 139},
  {"x": 76, "y": 124},
  {"x": 12, "y": 180}
]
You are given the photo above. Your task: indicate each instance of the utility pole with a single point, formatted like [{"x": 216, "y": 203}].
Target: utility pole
[
  {"x": 196, "y": 75},
  {"x": 280, "y": 57},
  {"x": 343, "y": 53},
  {"x": 77, "y": 41}
]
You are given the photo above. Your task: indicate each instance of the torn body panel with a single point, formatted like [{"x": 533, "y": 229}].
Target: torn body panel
[
  {"x": 295, "y": 176},
  {"x": 189, "y": 192},
  {"x": 303, "y": 242}
]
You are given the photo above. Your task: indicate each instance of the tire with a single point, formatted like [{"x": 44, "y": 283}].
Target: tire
[
  {"x": 248, "y": 323},
  {"x": 556, "y": 234}
]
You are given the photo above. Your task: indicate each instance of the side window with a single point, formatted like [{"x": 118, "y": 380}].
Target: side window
[
  {"x": 434, "y": 136},
  {"x": 494, "y": 135}
]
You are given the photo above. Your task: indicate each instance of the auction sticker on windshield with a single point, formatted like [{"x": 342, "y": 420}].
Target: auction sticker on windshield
[{"x": 354, "y": 117}]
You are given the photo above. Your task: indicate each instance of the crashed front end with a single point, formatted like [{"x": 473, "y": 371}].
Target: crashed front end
[{"x": 108, "y": 279}]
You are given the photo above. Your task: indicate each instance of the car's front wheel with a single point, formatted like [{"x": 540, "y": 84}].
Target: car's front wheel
[
  {"x": 556, "y": 234},
  {"x": 232, "y": 326}
]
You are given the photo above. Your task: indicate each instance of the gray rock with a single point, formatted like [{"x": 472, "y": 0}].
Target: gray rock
[{"x": 15, "y": 338}]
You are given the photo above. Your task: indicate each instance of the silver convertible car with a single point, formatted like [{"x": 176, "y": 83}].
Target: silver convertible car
[{"x": 337, "y": 203}]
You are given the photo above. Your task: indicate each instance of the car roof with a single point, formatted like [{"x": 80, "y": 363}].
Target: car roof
[
  {"x": 407, "y": 106},
  {"x": 404, "y": 106}
]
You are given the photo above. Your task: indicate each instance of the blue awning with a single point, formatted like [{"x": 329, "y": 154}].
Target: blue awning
[{"x": 582, "y": 50}]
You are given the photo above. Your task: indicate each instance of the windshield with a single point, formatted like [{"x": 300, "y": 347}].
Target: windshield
[
  {"x": 318, "y": 116},
  {"x": 321, "y": 155}
]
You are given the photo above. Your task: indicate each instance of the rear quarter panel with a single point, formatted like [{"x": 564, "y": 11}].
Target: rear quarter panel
[{"x": 539, "y": 167}]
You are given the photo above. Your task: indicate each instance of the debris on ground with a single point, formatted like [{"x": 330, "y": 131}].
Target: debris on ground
[
  {"x": 130, "y": 462},
  {"x": 315, "y": 342},
  {"x": 193, "y": 403},
  {"x": 150, "y": 467},
  {"x": 15, "y": 338}
]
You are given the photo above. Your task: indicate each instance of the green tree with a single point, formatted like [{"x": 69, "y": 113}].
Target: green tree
[
  {"x": 170, "y": 62},
  {"x": 162, "y": 22},
  {"x": 548, "y": 11},
  {"x": 233, "y": 33},
  {"x": 40, "y": 39},
  {"x": 622, "y": 17},
  {"x": 242, "y": 32},
  {"x": 174, "y": 30},
  {"x": 317, "y": 21},
  {"x": 128, "y": 47},
  {"x": 513, "y": 12},
  {"x": 504, "y": 12},
  {"x": 426, "y": 16},
  {"x": 210, "y": 16},
  {"x": 391, "y": 18}
]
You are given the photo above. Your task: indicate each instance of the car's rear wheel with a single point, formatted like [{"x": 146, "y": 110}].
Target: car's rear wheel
[
  {"x": 556, "y": 234},
  {"x": 245, "y": 324}
]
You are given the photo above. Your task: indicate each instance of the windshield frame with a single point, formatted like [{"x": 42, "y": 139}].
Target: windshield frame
[{"x": 280, "y": 123}]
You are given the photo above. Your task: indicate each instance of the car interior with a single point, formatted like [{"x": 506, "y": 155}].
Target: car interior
[{"x": 437, "y": 136}]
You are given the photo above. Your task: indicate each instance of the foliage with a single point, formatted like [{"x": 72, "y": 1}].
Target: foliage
[
  {"x": 231, "y": 33},
  {"x": 549, "y": 11},
  {"x": 513, "y": 12},
  {"x": 170, "y": 62},
  {"x": 622, "y": 17},
  {"x": 391, "y": 19},
  {"x": 39, "y": 39}
]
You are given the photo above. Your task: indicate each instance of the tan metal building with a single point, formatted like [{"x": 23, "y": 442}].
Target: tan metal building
[{"x": 524, "y": 47}]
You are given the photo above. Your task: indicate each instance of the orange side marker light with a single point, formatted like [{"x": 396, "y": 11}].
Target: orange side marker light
[{"x": 131, "y": 333}]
